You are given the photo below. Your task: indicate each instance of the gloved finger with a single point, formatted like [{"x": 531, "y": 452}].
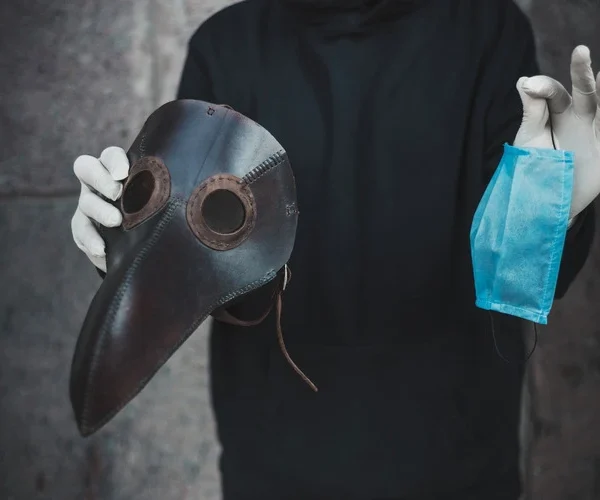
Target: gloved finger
[
  {"x": 91, "y": 172},
  {"x": 597, "y": 120},
  {"x": 548, "y": 88},
  {"x": 535, "y": 113},
  {"x": 99, "y": 262},
  {"x": 116, "y": 162},
  {"x": 98, "y": 209},
  {"x": 584, "y": 83},
  {"x": 86, "y": 236}
]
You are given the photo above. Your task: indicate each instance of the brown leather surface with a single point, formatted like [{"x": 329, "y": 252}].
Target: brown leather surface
[{"x": 162, "y": 280}]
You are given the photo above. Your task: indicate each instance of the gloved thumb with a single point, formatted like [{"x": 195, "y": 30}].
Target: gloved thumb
[{"x": 535, "y": 114}]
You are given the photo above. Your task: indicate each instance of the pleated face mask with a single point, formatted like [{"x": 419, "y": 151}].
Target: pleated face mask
[{"x": 518, "y": 232}]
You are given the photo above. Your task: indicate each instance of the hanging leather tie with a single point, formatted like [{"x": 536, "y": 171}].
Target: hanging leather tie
[
  {"x": 278, "y": 309},
  {"x": 277, "y": 298}
]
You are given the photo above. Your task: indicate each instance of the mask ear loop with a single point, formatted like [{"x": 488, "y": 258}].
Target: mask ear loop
[
  {"x": 551, "y": 126},
  {"x": 534, "y": 325},
  {"x": 497, "y": 349}
]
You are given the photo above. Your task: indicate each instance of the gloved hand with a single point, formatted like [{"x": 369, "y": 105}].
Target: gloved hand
[
  {"x": 575, "y": 120},
  {"x": 99, "y": 177}
]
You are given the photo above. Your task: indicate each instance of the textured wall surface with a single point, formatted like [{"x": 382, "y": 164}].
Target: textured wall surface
[
  {"x": 74, "y": 78},
  {"x": 78, "y": 76},
  {"x": 563, "y": 418}
]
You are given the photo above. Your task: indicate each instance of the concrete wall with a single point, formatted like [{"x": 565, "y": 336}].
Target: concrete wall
[
  {"x": 562, "y": 419},
  {"x": 77, "y": 76}
]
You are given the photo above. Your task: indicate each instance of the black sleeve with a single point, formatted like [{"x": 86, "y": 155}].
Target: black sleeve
[
  {"x": 196, "y": 81},
  {"x": 514, "y": 56}
]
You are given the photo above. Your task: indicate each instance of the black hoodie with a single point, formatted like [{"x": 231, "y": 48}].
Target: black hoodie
[{"x": 393, "y": 115}]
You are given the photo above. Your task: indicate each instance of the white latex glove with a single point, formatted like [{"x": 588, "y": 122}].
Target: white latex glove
[
  {"x": 98, "y": 176},
  {"x": 576, "y": 123}
]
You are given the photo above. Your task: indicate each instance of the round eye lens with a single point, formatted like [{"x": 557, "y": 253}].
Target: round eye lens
[
  {"x": 138, "y": 192},
  {"x": 223, "y": 212}
]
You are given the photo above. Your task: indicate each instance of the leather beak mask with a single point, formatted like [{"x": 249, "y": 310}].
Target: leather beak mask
[{"x": 209, "y": 215}]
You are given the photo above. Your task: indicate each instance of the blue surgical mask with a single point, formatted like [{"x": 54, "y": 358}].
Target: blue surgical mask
[{"x": 518, "y": 232}]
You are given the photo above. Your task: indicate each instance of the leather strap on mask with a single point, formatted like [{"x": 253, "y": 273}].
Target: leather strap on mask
[{"x": 277, "y": 299}]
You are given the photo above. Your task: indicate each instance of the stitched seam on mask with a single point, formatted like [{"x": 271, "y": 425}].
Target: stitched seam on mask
[
  {"x": 267, "y": 165},
  {"x": 223, "y": 300},
  {"x": 142, "y": 148},
  {"x": 166, "y": 218},
  {"x": 214, "y": 142},
  {"x": 556, "y": 255},
  {"x": 490, "y": 303}
]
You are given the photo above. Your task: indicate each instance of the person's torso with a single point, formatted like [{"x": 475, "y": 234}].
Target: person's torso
[{"x": 385, "y": 136}]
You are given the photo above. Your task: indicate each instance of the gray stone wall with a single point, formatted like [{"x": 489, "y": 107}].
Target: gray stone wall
[
  {"x": 562, "y": 411},
  {"x": 78, "y": 76}
]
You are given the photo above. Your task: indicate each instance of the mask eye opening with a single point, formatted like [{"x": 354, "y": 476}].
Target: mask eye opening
[
  {"x": 223, "y": 211},
  {"x": 146, "y": 191},
  {"x": 138, "y": 192}
]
